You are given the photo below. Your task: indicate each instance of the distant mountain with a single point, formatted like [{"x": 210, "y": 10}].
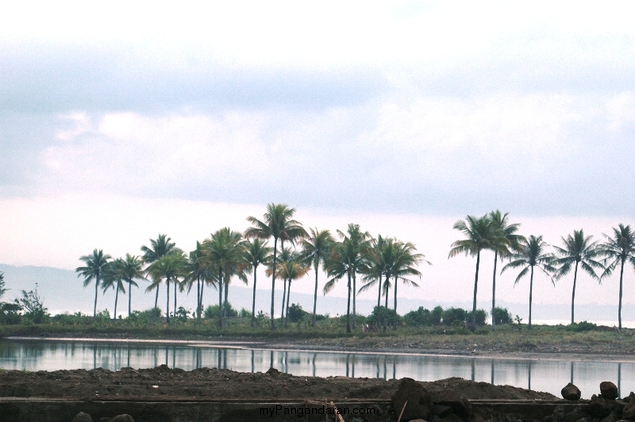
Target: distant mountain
[{"x": 63, "y": 292}]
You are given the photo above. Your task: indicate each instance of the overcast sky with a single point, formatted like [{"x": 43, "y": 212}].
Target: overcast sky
[{"x": 120, "y": 121}]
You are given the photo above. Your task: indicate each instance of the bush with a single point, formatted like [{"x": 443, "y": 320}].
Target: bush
[
  {"x": 212, "y": 311},
  {"x": 481, "y": 316},
  {"x": 296, "y": 313},
  {"x": 382, "y": 316},
  {"x": 454, "y": 316},
  {"x": 182, "y": 314},
  {"x": 33, "y": 306},
  {"x": 418, "y": 318},
  {"x": 581, "y": 326},
  {"x": 10, "y": 313},
  {"x": 502, "y": 316},
  {"x": 436, "y": 315},
  {"x": 244, "y": 313}
]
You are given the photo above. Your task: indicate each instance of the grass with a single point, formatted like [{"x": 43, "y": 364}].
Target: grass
[{"x": 331, "y": 332}]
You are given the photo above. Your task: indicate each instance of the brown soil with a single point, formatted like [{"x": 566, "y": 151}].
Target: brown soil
[{"x": 163, "y": 383}]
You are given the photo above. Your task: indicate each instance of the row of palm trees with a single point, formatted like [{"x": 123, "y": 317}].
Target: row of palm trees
[
  {"x": 598, "y": 259},
  {"x": 226, "y": 255}
]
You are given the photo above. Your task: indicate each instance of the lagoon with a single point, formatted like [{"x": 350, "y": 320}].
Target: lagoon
[{"x": 544, "y": 374}]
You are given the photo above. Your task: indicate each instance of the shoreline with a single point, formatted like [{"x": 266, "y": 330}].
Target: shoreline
[{"x": 277, "y": 345}]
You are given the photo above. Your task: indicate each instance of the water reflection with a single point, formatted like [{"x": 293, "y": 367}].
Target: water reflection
[{"x": 542, "y": 375}]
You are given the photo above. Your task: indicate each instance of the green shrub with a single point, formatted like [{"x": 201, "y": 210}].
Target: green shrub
[
  {"x": 581, "y": 326},
  {"x": 382, "y": 316},
  {"x": 436, "y": 315},
  {"x": 454, "y": 316},
  {"x": 296, "y": 313},
  {"x": 418, "y": 318},
  {"x": 212, "y": 311},
  {"x": 502, "y": 316},
  {"x": 10, "y": 313}
]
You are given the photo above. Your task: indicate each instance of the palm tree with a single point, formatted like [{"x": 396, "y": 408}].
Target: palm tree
[
  {"x": 579, "y": 250},
  {"x": 224, "y": 251},
  {"x": 377, "y": 265},
  {"x": 403, "y": 266},
  {"x": 277, "y": 223},
  {"x": 158, "y": 248},
  {"x": 315, "y": 249},
  {"x": 131, "y": 270},
  {"x": 358, "y": 245},
  {"x": 480, "y": 235},
  {"x": 291, "y": 269},
  {"x": 619, "y": 249},
  {"x": 113, "y": 277},
  {"x": 93, "y": 270},
  {"x": 198, "y": 271},
  {"x": 2, "y": 288},
  {"x": 171, "y": 266},
  {"x": 256, "y": 253},
  {"x": 529, "y": 254},
  {"x": 337, "y": 266},
  {"x": 505, "y": 241}
]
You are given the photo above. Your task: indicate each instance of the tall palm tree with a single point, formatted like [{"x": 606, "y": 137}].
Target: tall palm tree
[
  {"x": 278, "y": 223},
  {"x": 505, "y": 241},
  {"x": 201, "y": 273},
  {"x": 529, "y": 254},
  {"x": 256, "y": 253},
  {"x": 157, "y": 249},
  {"x": 170, "y": 267},
  {"x": 480, "y": 234},
  {"x": 315, "y": 249},
  {"x": 339, "y": 265},
  {"x": 132, "y": 269},
  {"x": 93, "y": 270},
  {"x": 292, "y": 269},
  {"x": 618, "y": 250},
  {"x": 223, "y": 251},
  {"x": 2, "y": 288},
  {"x": 403, "y": 266},
  {"x": 358, "y": 246},
  {"x": 580, "y": 251},
  {"x": 113, "y": 277}
]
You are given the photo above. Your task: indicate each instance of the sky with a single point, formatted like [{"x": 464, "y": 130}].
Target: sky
[{"x": 120, "y": 121}]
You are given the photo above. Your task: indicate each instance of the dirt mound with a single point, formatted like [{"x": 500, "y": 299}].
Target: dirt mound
[{"x": 210, "y": 383}]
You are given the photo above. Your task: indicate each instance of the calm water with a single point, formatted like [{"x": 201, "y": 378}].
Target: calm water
[{"x": 541, "y": 375}]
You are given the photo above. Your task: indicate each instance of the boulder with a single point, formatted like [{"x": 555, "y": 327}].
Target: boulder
[
  {"x": 414, "y": 397},
  {"x": 608, "y": 390},
  {"x": 458, "y": 402},
  {"x": 599, "y": 407},
  {"x": 571, "y": 392},
  {"x": 629, "y": 410},
  {"x": 123, "y": 418},
  {"x": 82, "y": 417}
]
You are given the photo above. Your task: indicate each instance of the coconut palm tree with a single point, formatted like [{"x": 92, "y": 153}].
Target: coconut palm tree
[
  {"x": 480, "y": 234},
  {"x": 403, "y": 266},
  {"x": 198, "y": 271},
  {"x": 580, "y": 251},
  {"x": 277, "y": 223},
  {"x": 93, "y": 270},
  {"x": 113, "y": 277},
  {"x": 157, "y": 249},
  {"x": 169, "y": 267},
  {"x": 292, "y": 269},
  {"x": 505, "y": 241},
  {"x": 132, "y": 269},
  {"x": 529, "y": 254},
  {"x": 338, "y": 265},
  {"x": 2, "y": 288},
  {"x": 224, "y": 251},
  {"x": 256, "y": 253},
  {"x": 618, "y": 250},
  {"x": 359, "y": 244},
  {"x": 315, "y": 249}
]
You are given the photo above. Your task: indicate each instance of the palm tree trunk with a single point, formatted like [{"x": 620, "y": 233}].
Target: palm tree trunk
[
  {"x": 273, "y": 281},
  {"x": 226, "y": 301},
  {"x": 379, "y": 293},
  {"x": 348, "y": 305},
  {"x": 253, "y": 300},
  {"x": 198, "y": 297},
  {"x": 619, "y": 309},
  {"x": 478, "y": 262},
  {"x": 531, "y": 291},
  {"x": 354, "y": 301},
  {"x": 575, "y": 279},
  {"x": 175, "y": 290},
  {"x": 156, "y": 298},
  {"x": 200, "y": 304},
  {"x": 96, "y": 292},
  {"x": 284, "y": 298},
  {"x": 129, "y": 297},
  {"x": 316, "y": 267},
  {"x": 494, "y": 290},
  {"x": 394, "y": 322},
  {"x": 167, "y": 302},
  {"x": 286, "y": 312},
  {"x": 220, "y": 298},
  {"x": 116, "y": 298}
]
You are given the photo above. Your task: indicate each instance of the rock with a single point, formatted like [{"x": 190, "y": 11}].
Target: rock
[
  {"x": 441, "y": 410},
  {"x": 123, "y": 418},
  {"x": 82, "y": 417},
  {"x": 608, "y": 390},
  {"x": 105, "y": 419},
  {"x": 612, "y": 417},
  {"x": 273, "y": 372},
  {"x": 599, "y": 407},
  {"x": 558, "y": 414},
  {"x": 571, "y": 392},
  {"x": 458, "y": 402},
  {"x": 452, "y": 418},
  {"x": 418, "y": 404},
  {"x": 629, "y": 410}
]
